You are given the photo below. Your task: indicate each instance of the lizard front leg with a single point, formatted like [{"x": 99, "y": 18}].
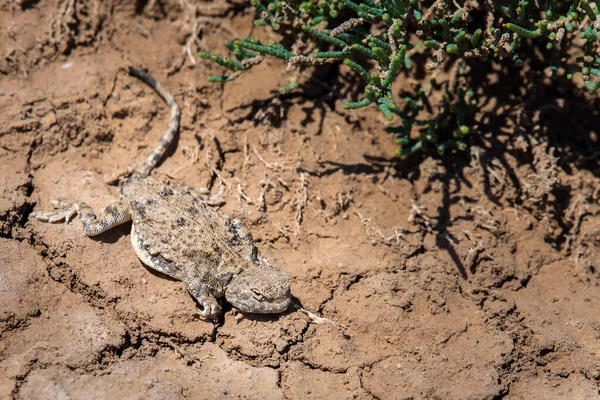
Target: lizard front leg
[
  {"x": 205, "y": 288},
  {"x": 115, "y": 214}
]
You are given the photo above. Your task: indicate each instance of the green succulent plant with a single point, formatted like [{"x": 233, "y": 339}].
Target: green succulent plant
[{"x": 376, "y": 38}]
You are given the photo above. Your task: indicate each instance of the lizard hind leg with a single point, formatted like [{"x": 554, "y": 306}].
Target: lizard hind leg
[{"x": 115, "y": 214}]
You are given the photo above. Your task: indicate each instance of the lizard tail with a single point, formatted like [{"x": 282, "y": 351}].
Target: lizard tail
[{"x": 172, "y": 128}]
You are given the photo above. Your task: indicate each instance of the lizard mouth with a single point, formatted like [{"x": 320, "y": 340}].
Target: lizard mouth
[
  {"x": 253, "y": 306},
  {"x": 277, "y": 307}
]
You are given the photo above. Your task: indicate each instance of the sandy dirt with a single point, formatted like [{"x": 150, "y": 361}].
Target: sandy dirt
[{"x": 470, "y": 276}]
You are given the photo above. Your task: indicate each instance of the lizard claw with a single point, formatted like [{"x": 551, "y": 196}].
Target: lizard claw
[{"x": 62, "y": 213}]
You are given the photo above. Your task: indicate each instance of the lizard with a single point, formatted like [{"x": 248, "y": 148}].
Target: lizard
[{"x": 178, "y": 231}]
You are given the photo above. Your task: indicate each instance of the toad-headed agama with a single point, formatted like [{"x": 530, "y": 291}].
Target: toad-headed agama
[{"x": 176, "y": 230}]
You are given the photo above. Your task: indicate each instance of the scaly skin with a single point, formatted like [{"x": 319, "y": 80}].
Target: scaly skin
[{"x": 177, "y": 231}]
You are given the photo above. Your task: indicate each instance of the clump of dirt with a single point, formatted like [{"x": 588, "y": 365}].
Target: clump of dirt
[{"x": 468, "y": 276}]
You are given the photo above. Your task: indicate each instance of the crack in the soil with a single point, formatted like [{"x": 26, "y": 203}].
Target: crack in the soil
[
  {"x": 12, "y": 323},
  {"x": 28, "y": 208},
  {"x": 513, "y": 323},
  {"x": 362, "y": 386},
  {"x": 286, "y": 350},
  {"x": 520, "y": 340},
  {"x": 34, "y": 365},
  {"x": 326, "y": 301},
  {"x": 98, "y": 299},
  {"x": 319, "y": 367}
]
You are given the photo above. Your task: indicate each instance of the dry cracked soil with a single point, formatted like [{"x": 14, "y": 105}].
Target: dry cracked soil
[{"x": 469, "y": 276}]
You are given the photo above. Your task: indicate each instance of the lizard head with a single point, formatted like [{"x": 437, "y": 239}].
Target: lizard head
[{"x": 262, "y": 289}]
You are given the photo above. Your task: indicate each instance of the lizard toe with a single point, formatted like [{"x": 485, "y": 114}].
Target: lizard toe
[{"x": 54, "y": 216}]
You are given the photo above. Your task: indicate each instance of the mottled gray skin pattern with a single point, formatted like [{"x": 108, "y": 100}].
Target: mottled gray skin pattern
[{"x": 176, "y": 231}]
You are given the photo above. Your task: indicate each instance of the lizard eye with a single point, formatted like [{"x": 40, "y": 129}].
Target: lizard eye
[{"x": 257, "y": 295}]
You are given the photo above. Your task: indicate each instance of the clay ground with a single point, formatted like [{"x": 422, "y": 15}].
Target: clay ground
[{"x": 470, "y": 276}]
